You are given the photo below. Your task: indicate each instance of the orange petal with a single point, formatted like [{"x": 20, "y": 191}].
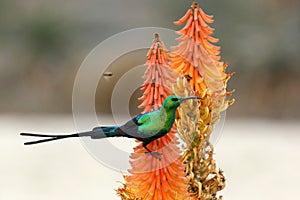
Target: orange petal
[{"x": 184, "y": 18}]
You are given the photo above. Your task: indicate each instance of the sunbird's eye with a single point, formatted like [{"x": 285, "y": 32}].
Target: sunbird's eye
[{"x": 174, "y": 99}]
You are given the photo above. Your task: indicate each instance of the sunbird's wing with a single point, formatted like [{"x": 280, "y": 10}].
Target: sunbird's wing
[{"x": 131, "y": 128}]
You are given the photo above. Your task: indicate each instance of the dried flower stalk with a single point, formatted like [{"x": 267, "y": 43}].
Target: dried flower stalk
[{"x": 194, "y": 129}]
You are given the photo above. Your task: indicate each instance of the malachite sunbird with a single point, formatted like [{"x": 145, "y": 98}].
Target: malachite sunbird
[{"x": 145, "y": 127}]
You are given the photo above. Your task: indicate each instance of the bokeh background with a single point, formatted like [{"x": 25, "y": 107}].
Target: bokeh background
[{"x": 44, "y": 42}]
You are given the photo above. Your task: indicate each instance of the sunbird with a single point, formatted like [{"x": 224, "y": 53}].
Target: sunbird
[{"x": 145, "y": 127}]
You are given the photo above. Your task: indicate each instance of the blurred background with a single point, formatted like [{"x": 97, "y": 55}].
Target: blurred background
[{"x": 44, "y": 42}]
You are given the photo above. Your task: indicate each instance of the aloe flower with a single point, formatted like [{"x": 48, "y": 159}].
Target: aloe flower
[
  {"x": 197, "y": 59},
  {"x": 151, "y": 178}
]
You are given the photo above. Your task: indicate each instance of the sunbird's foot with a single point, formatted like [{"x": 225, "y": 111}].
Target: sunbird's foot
[{"x": 154, "y": 154}]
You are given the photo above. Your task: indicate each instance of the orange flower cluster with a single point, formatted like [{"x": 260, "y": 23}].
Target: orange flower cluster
[
  {"x": 152, "y": 178},
  {"x": 196, "y": 58},
  {"x": 158, "y": 77}
]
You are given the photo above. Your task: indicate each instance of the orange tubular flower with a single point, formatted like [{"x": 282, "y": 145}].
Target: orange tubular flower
[
  {"x": 158, "y": 77},
  {"x": 151, "y": 178},
  {"x": 198, "y": 59}
]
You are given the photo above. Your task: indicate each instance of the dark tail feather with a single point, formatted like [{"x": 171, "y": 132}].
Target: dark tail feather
[
  {"x": 41, "y": 141},
  {"x": 53, "y": 137},
  {"x": 43, "y": 135},
  {"x": 96, "y": 133}
]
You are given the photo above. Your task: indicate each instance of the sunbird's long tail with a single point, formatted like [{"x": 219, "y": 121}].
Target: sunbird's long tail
[{"x": 96, "y": 133}]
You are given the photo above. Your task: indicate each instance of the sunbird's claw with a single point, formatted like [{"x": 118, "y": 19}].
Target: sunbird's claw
[{"x": 154, "y": 154}]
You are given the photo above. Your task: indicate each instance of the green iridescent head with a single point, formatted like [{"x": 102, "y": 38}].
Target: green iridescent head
[{"x": 173, "y": 101}]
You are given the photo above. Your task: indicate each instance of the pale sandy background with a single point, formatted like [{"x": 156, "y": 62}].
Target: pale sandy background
[{"x": 42, "y": 44}]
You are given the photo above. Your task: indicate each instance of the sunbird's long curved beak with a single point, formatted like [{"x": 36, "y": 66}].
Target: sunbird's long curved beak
[{"x": 189, "y": 97}]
